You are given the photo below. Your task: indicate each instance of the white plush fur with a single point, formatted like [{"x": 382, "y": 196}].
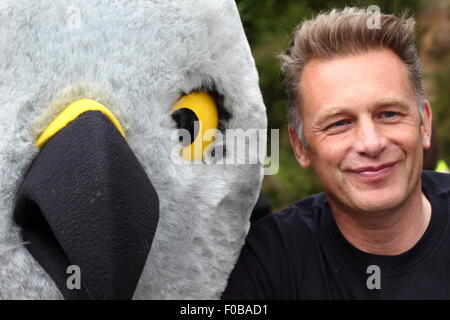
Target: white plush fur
[{"x": 136, "y": 57}]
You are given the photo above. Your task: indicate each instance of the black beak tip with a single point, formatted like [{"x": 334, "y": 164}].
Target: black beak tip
[{"x": 87, "y": 202}]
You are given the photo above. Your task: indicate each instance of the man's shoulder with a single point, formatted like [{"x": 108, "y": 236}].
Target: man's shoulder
[
  {"x": 299, "y": 219},
  {"x": 440, "y": 182},
  {"x": 303, "y": 211}
]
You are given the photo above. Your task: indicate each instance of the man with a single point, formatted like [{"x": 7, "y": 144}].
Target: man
[{"x": 358, "y": 118}]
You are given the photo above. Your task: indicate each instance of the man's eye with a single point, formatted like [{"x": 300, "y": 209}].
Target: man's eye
[
  {"x": 338, "y": 126},
  {"x": 340, "y": 123},
  {"x": 388, "y": 114}
]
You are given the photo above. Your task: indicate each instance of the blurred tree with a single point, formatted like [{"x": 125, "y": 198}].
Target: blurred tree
[{"x": 434, "y": 24}]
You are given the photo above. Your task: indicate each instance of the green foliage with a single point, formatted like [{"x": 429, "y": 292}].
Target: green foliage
[
  {"x": 441, "y": 111},
  {"x": 268, "y": 24}
]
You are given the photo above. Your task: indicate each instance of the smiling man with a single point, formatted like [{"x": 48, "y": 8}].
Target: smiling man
[{"x": 358, "y": 118}]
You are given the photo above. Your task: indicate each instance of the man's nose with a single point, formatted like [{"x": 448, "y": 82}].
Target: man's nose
[{"x": 369, "y": 139}]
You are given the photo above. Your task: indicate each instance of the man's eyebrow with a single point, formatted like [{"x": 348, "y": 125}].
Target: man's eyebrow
[
  {"x": 392, "y": 102},
  {"x": 338, "y": 110}
]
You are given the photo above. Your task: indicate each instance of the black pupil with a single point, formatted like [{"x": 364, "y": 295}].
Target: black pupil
[{"x": 188, "y": 120}]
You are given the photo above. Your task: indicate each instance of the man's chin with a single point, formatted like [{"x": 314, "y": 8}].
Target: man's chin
[{"x": 376, "y": 201}]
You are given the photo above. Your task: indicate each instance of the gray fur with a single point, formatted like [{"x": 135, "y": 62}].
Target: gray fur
[{"x": 136, "y": 57}]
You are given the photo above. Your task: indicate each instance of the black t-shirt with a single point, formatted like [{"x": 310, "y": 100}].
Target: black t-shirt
[{"x": 299, "y": 253}]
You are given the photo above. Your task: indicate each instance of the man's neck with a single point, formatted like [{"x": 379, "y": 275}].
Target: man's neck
[{"x": 386, "y": 233}]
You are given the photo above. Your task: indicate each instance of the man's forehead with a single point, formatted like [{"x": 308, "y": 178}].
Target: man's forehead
[{"x": 374, "y": 77}]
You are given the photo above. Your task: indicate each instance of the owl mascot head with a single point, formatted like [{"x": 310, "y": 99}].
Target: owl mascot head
[{"x": 107, "y": 172}]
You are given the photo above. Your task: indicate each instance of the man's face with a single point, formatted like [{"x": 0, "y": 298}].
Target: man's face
[{"x": 362, "y": 125}]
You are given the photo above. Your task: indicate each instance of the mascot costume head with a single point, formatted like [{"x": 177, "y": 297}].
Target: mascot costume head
[{"x": 98, "y": 200}]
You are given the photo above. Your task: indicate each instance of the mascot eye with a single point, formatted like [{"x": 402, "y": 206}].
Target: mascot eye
[
  {"x": 197, "y": 114},
  {"x": 186, "y": 119}
]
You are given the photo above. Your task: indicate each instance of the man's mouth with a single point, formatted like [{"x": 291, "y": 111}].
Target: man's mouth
[{"x": 376, "y": 172}]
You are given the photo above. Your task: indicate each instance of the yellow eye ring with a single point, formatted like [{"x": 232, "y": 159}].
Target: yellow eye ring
[{"x": 205, "y": 109}]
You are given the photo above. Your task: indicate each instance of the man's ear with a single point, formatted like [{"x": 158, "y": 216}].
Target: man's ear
[
  {"x": 300, "y": 151},
  {"x": 426, "y": 124}
]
